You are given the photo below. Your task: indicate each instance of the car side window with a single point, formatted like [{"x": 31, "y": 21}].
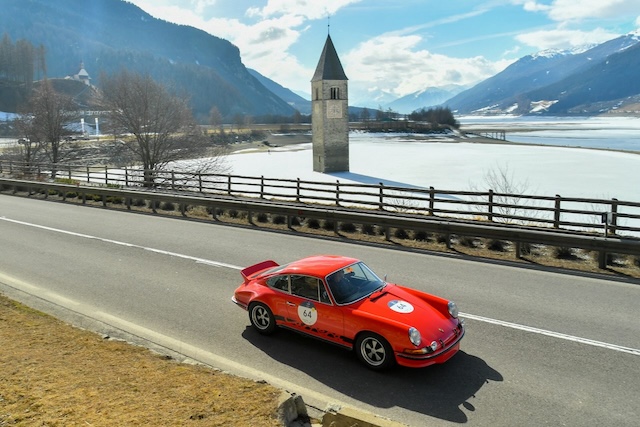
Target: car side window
[
  {"x": 310, "y": 288},
  {"x": 279, "y": 282}
]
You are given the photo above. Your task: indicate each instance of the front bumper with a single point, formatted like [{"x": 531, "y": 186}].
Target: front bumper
[{"x": 440, "y": 356}]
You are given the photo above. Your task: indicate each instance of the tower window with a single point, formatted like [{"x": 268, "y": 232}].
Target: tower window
[{"x": 335, "y": 93}]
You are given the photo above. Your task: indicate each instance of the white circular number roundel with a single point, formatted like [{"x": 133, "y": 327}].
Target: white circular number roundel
[
  {"x": 308, "y": 313},
  {"x": 400, "y": 306}
]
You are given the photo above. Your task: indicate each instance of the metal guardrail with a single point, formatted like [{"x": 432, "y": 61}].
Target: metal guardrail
[
  {"x": 387, "y": 220},
  {"x": 606, "y": 216}
]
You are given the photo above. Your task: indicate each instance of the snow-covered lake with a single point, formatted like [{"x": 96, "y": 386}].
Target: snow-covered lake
[
  {"x": 446, "y": 165},
  {"x": 616, "y": 133}
]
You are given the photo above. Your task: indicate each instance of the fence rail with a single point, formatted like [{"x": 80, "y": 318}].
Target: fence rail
[
  {"x": 386, "y": 220},
  {"x": 602, "y": 216}
]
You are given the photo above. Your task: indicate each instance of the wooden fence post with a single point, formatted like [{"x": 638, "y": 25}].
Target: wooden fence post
[
  {"x": 614, "y": 216},
  {"x": 337, "y": 192},
  {"x": 381, "y": 197},
  {"x": 297, "y": 191},
  {"x": 200, "y": 182},
  {"x": 556, "y": 213},
  {"x": 106, "y": 175},
  {"x": 490, "y": 207},
  {"x": 262, "y": 187},
  {"x": 432, "y": 200},
  {"x": 228, "y": 185}
]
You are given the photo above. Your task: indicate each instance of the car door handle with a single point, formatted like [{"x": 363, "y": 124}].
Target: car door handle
[{"x": 291, "y": 304}]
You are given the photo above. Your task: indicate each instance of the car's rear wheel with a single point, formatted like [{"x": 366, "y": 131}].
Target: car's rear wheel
[
  {"x": 374, "y": 351},
  {"x": 262, "y": 318}
]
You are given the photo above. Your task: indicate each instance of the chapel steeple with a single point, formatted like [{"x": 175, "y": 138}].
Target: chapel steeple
[{"x": 330, "y": 113}]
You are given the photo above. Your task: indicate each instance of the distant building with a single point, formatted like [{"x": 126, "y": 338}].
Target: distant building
[
  {"x": 82, "y": 75},
  {"x": 330, "y": 113}
]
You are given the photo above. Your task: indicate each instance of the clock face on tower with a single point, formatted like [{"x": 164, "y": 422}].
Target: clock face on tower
[{"x": 334, "y": 109}]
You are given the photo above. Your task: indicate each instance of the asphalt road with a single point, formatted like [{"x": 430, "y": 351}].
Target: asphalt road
[{"x": 541, "y": 348}]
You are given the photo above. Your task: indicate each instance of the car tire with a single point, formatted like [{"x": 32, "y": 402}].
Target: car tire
[
  {"x": 262, "y": 318},
  {"x": 374, "y": 351}
]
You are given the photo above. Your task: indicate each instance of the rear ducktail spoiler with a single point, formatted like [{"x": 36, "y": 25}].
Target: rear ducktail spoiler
[{"x": 257, "y": 267}]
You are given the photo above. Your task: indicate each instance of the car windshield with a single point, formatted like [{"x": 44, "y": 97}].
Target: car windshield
[{"x": 353, "y": 283}]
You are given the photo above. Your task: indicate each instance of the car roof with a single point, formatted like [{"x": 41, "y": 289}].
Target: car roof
[{"x": 319, "y": 265}]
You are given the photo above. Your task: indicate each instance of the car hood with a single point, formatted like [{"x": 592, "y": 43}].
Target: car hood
[{"x": 399, "y": 306}]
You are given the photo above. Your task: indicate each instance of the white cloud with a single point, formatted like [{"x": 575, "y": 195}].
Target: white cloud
[
  {"x": 572, "y": 10},
  {"x": 564, "y": 38},
  {"x": 394, "y": 65},
  {"x": 309, "y": 9}
]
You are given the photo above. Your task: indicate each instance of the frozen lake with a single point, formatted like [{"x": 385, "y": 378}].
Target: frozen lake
[
  {"x": 615, "y": 133},
  {"x": 446, "y": 165}
]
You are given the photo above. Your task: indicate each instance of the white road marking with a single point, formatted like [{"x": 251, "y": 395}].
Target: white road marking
[
  {"x": 545, "y": 332},
  {"x": 26, "y": 287},
  {"x": 129, "y": 245}
]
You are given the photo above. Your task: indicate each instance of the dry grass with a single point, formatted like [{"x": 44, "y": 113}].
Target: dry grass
[{"x": 55, "y": 375}]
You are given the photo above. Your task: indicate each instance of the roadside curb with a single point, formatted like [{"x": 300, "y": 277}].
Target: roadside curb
[{"x": 292, "y": 412}]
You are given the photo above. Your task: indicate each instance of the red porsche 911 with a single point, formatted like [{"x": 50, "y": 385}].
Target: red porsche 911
[{"x": 340, "y": 300}]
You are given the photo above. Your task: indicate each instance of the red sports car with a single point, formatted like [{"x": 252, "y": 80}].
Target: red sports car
[{"x": 340, "y": 300}]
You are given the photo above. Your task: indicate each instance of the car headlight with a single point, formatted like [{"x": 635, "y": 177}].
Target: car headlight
[
  {"x": 453, "y": 309},
  {"x": 414, "y": 336}
]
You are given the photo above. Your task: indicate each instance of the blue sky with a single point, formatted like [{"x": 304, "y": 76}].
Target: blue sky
[{"x": 397, "y": 47}]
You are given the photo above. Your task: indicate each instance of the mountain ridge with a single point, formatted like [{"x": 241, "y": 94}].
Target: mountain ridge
[
  {"x": 109, "y": 35},
  {"x": 546, "y": 78}
]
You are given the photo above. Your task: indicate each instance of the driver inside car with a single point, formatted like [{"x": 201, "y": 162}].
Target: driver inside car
[{"x": 340, "y": 285}]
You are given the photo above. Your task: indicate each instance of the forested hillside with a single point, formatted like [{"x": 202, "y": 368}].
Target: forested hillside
[{"x": 110, "y": 35}]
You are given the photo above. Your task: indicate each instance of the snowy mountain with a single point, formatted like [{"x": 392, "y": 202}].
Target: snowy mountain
[
  {"x": 426, "y": 98},
  {"x": 558, "y": 82}
]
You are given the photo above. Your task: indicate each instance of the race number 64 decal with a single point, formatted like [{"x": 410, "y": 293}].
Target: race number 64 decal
[{"x": 308, "y": 313}]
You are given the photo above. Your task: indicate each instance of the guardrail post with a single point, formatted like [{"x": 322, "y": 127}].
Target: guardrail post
[
  {"x": 490, "y": 207},
  {"x": 337, "y": 192},
  {"x": 229, "y": 185},
  {"x": 69, "y": 172},
  {"x": 556, "y": 213},
  {"x": 173, "y": 181},
  {"x": 262, "y": 186},
  {"x": 602, "y": 260},
  {"x": 200, "y": 182},
  {"x": 381, "y": 197},
  {"x": 88, "y": 175},
  {"x": 106, "y": 175},
  {"x": 297, "y": 191},
  {"x": 432, "y": 200},
  {"x": 126, "y": 177},
  {"x": 614, "y": 216}
]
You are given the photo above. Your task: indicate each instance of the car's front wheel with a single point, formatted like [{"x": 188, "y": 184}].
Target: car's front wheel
[
  {"x": 374, "y": 351},
  {"x": 262, "y": 318}
]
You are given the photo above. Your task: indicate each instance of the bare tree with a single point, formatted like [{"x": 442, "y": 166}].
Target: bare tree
[
  {"x": 509, "y": 193},
  {"x": 159, "y": 121},
  {"x": 44, "y": 120}
]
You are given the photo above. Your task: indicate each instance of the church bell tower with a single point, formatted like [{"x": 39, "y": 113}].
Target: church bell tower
[{"x": 330, "y": 114}]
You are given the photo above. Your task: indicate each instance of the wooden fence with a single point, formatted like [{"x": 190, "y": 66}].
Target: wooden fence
[{"x": 603, "y": 216}]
